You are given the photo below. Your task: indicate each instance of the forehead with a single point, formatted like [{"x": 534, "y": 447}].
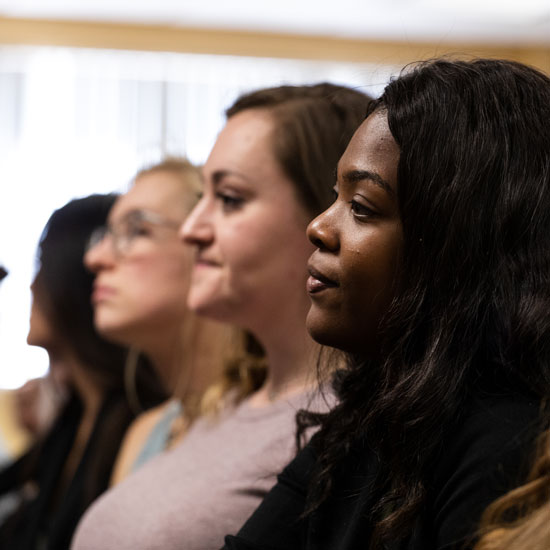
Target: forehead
[
  {"x": 161, "y": 192},
  {"x": 373, "y": 148},
  {"x": 245, "y": 145}
]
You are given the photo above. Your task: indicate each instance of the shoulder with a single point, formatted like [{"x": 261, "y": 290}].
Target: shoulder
[
  {"x": 493, "y": 428},
  {"x": 134, "y": 440},
  {"x": 487, "y": 454}
]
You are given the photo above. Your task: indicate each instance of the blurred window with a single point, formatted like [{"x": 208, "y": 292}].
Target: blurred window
[{"x": 79, "y": 121}]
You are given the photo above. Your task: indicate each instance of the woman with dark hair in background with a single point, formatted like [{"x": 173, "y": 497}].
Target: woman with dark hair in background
[
  {"x": 269, "y": 173},
  {"x": 55, "y": 481},
  {"x": 432, "y": 271}
]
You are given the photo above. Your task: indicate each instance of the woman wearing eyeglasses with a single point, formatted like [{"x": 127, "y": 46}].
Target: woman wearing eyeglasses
[{"x": 139, "y": 298}]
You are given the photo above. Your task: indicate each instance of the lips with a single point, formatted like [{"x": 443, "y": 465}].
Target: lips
[
  {"x": 205, "y": 262},
  {"x": 101, "y": 293},
  {"x": 318, "y": 282}
]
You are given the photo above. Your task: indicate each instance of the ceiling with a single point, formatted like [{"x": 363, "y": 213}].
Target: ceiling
[{"x": 492, "y": 21}]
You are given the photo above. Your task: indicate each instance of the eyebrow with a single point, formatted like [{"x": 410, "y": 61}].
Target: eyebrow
[
  {"x": 130, "y": 214},
  {"x": 355, "y": 176},
  {"x": 219, "y": 175}
]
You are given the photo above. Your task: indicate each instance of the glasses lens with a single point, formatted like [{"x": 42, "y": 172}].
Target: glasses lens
[{"x": 96, "y": 237}]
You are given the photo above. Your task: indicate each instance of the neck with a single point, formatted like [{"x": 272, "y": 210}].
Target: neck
[
  {"x": 165, "y": 351},
  {"x": 91, "y": 396},
  {"x": 191, "y": 357},
  {"x": 291, "y": 358},
  {"x": 83, "y": 383}
]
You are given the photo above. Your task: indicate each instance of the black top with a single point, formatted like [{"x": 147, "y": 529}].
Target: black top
[
  {"x": 487, "y": 455},
  {"x": 44, "y": 518}
]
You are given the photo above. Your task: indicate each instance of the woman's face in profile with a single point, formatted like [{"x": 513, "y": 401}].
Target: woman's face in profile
[
  {"x": 249, "y": 229},
  {"x": 359, "y": 240},
  {"x": 141, "y": 267}
]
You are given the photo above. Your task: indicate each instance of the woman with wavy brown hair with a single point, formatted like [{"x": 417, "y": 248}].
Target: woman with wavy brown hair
[{"x": 269, "y": 173}]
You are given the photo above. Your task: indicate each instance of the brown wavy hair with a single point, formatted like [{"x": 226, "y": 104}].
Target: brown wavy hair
[{"x": 313, "y": 125}]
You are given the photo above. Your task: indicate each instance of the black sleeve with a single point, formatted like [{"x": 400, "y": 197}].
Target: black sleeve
[
  {"x": 489, "y": 456},
  {"x": 484, "y": 457},
  {"x": 277, "y": 524}
]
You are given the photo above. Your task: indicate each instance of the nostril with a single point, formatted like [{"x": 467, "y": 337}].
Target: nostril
[
  {"x": 316, "y": 241},
  {"x": 198, "y": 234}
]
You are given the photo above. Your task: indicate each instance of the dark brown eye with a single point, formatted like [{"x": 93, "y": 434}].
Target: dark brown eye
[{"x": 360, "y": 211}]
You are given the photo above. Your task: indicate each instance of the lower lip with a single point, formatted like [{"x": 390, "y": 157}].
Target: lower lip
[
  {"x": 101, "y": 294},
  {"x": 314, "y": 286},
  {"x": 199, "y": 264}
]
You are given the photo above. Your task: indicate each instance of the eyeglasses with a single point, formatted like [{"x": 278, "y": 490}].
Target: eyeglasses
[{"x": 137, "y": 224}]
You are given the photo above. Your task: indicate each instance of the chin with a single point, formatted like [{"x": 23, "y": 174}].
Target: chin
[
  {"x": 213, "y": 312},
  {"x": 210, "y": 307},
  {"x": 33, "y": 341},
  {"x": 326, "y": 332},
  {"x": 321, "y": 331},
  {"x": 39, "y": 337},
  {"x": 110, "y": 329}
]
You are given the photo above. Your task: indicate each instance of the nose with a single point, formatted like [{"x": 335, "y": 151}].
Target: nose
[
  {"x": 100, "y": 256},
  {"x": 323, "y": 231},
  {"x": 197, "y": 228}
]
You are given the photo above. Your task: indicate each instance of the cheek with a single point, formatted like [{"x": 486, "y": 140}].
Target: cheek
[
  {"x": 276, "y": 247},
  {"x": 372, "y": 281},
  {"x": 154, "y": 284},
  {"x": 167, "y": 269},
  {"x": 351, "y": 320}
]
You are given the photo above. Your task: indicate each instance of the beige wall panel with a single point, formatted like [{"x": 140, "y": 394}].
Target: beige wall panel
[{"x": 211, "y": 41}]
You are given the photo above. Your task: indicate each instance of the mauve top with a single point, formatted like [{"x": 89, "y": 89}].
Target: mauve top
[{"x": 205, "y": 487}]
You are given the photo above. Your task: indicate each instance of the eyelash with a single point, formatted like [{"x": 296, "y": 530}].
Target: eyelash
[
  {"x": 360, "y": 211},
  {"x": 138, "y": 230},
  {"x": 229, "y": 202}
]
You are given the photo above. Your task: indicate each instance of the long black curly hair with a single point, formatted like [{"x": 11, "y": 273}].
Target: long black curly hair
[{"x": 472, "y": 303}]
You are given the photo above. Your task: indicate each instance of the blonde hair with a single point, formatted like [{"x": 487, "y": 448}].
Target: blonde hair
[
  {"x": 244, "y": 372},
  {"x": 189, "y": 175},
  {"x": 520, "y": 520}
]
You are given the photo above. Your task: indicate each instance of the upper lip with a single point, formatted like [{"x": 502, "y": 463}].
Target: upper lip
[
  {"x": 204, "y": 260},
  {"x": 315, "y": 273}
]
